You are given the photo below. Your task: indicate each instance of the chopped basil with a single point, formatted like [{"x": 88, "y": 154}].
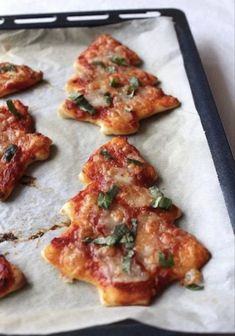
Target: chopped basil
[
  {"x": 136, "y": 162},
  {"x": 7, "y": 68},
  {"x": 120, "y": 235},
  {"x": 195, "y": 287},
  {"x": 10, "y": 152},
  {"x": 126, "y": 261},
  {"x": 105, "y": 199},
  {"x": 82, "y": 103},
  {"x": 12, "y": 109},
  {"x": 160, "y": 201},
  {"x": 134, "y": 83},
  {"x": 119, "y": 231},
  {"x": 99, "y": 63},
  {"x": 165, "y": 261},
  {"x": 108, "y": 98},
  {"x": 111, "y": 69},
  {"x": 119, "y": 60},
  {"x": 114, "y": 82},
  {"x": 106, "y": 154}
]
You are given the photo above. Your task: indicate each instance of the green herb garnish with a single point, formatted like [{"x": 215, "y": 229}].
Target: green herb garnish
[
  {"x": 108, "y": 98},
  {"x": 134, "y": 81},
  {"x": 119, "y": 231},
  {"x": 106, "y": 154},
  {"x": 99, "y": 63},
  {"x": 119, "y": 60},
  {"x": 195, "y": 287},
  {"x": 120, "y": 235},
  {"x": 166, "y": 261},
  {"x": 111, "y": 69},
  {"x": 134, "y": 84},
  {"x": 10, "y": 152},
  {"x": 7, "y": 68},
  {"x": 160, "y": 201},
  {"x": 114, "y": 83},
  {"x": 136, "y": 162},
  {"x": 83, "y": 103},
  {"x": 12, "y": 109},
  {"x": 105, "y": 199},
  {"x": 126, "y": 261}
]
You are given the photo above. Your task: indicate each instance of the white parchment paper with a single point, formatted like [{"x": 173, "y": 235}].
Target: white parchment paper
[{"x": 174, "y": 143}]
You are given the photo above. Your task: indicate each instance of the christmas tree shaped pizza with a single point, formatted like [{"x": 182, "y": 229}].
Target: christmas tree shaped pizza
[
  {"x": 122, "y": 236},
  {"x": 109, "y": 90},
  {"x": 19, "y": 145}
]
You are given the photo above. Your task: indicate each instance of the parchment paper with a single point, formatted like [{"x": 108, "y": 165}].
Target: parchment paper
[{"x": 174, "y": 143}]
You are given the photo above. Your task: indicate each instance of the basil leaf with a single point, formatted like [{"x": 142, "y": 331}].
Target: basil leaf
[
  {"x": 12, "y": 109},
  {"x": 108, "y": 98},
  {"x": 165, "y": 203},
  {"x": 99, "y": 63},
  {"x": 165, "y": 261},
  {"x": 136, "y": 162},
  {"x": 83, "y": 104},
  {"x": 119, "y": 60},
  {"x": 160, "y": 201},
  {"x": 106, "y": 154},
  {"x": 126, "y": 261},
  {"x": 105, "y": 199},
  {"x": 115, "y": 83},
  {"x": 195, "y": 287},
  {"x": 120, "y": 235},
  {"x": 112, "y": 239},
  {"x": 106, "y": 241},
  {"x": 7, "y": 68},
  {"x": 10, "y": 152},
  {"x": 134, "y": 83},
  {"x": 133, "y": 87},
  {"x": 111, "y": 69},
  {"x": 134, "y": 223}
]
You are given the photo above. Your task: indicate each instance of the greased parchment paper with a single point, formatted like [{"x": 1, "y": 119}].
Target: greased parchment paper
[{"x": 174, "y": 143}]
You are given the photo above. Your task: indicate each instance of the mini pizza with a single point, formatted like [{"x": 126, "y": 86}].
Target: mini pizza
[
  {"x": 14, "y": 78},
  {"x": 106, "y": 51},
  {"x": 11, "y": 277},
  {"x": 19, "y": 145},
  {"x": 120, "y": 162},
  {"x": 122, "y": 236},
  {"x": 110, "y": 91}
]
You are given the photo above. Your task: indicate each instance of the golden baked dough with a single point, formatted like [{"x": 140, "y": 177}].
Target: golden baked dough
[
  {"x": 19, "y": 145},
  {"x": 110, "y": 91},
  {"x": 14, "y": 78},
  {"x": 122, "y": 236}
]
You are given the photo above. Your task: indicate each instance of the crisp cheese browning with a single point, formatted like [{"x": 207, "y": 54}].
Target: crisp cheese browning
[
  {"x": 14, "y": 78},
  {"x": 120, "y": 162},
  {"x": 123, "y": 238},
  {"x": 110, "y": 91},
  {"x": 19, "y": 145}
]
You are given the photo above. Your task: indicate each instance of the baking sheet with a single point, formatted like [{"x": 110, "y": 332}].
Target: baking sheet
[{"x": 174, "y": 143}]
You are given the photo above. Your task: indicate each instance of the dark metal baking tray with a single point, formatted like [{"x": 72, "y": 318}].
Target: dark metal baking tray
[{"x": 204, "y": 102}]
